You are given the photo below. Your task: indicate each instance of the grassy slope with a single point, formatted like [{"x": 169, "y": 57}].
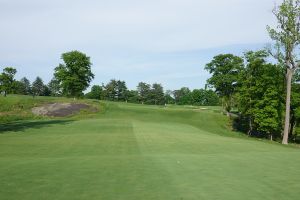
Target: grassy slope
[
  {"x": 143, "y": 152},
  {"x": 18, "y": 107}
]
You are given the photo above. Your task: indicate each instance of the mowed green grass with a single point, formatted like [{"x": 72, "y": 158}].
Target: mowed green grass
[{"x": 139, "y": 152}]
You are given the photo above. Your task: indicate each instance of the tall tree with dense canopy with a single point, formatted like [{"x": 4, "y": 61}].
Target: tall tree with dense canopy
[
  {"x": 75, "y": 74},
  {"x": 259, "y": 94},
  {"x": 225, "y": 69},
  {"x": 287, "y": 36},
  {"x": 7, "y": 79}
]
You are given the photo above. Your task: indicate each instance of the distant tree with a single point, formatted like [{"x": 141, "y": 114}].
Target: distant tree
[
  {"x": 17, "y": 87},
  {"x": 133, "y": 96},
  {"x": 211, "y": 98},
  {"x": 95, "y": 93},
  {"x": 122, "y": 92},
  {"x": 287, "y": 34},
  {"x": 75, "y": 74},
  {"x": 143, "y": 90},
  {"x": 198, "y": 97},
  {"x": 225, "y": 69},
  {"x": 7, "y": 79},
  {"x": 183, "y": 96},
  {"x": 169, "y": 99},
  {"x": 25, "y": 88},
  {"x": 37, "y": 87},
  {"x": 46, "y": 91},
  {"x": 156, "y": 95},
  {"x": 54, "y": 87},
  {"x": 111, "y": 90}
]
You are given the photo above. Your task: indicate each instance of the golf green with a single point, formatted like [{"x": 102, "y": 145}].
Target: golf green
[{"x": 143, "y": 152}]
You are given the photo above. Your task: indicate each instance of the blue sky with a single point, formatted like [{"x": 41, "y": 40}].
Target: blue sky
[{"x": 164, "y": 41}]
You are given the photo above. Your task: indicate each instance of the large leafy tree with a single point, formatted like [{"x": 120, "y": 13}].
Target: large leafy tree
[
  {"x": 287, "y": 37},
  {"x": 7, "y": 79},
  {"x": 259, "y": 94},
  {"x": 75, "y": 74},
  {"x": 225, "y": 69}
]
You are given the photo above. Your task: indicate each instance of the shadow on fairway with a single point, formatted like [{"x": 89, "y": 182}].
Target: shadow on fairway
[{"x": 22, "y": 125}]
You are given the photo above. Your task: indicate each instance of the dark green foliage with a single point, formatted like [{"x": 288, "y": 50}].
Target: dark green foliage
[
  {"x": 225, "y": 69},
  {"x": 143, "y": 90},
  {"x": 169, "y": 99},
  {"x": 38, "y": 87},
  {"x": 26, "y": 88},
  {"x": 7, "y": 80},
  {"x": 115, "y": 90},
  {"x": 295, "y": 113},
  {"x": 183, "y": 96},
  {"x": 17, "y": 87},
  {"x": 46, "y": 91},
  {"x": 122, "y": 92},
  {"x": 75, "y": 74},
  {"x": 156, "y": 95},
  {"x": 133, "y": 96},
  {"x": 261, "y": 85},
  {"x": 201, "y": 97},
  {"x": 54, "y": 87},
  {"x": 95, "y": 93}
]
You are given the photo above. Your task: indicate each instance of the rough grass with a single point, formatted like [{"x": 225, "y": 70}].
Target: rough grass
[
  {"x": 143, "y": 152},
  {"x": 18, "y": 107}
]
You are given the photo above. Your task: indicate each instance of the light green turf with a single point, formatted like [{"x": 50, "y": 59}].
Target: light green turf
[{"x": 141, "y": 152}]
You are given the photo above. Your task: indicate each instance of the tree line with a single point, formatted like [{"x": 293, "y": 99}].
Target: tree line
[
  {"x": 73, "y": 77},
  {"x": 153, "y": 94},
  {"x": 265, "y": 95}
]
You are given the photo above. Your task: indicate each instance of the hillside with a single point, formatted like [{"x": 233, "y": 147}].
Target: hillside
[{"x": 130, "y": 151}]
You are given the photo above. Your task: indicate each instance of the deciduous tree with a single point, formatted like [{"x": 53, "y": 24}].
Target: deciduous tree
[
  {"x": 287, "y": 36},
  {"x": 225, "y": 69},
  {"x": 75, "y": 74},
  {"x": 7, "y": 79}
]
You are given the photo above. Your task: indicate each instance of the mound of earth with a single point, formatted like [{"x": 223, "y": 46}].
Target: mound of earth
[{"x": 60, "y": 109}]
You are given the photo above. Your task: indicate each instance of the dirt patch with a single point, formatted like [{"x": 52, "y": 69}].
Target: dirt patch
[{"x": 61, "y": 109}]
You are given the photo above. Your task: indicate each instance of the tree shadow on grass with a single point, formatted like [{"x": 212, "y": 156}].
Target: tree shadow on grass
[{"x": 22, "y": 125}]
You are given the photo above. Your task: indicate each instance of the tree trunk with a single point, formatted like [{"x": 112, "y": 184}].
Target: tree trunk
[
  {"x": 289, "y": 74},
  {"x": 250, "y": 127}
]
